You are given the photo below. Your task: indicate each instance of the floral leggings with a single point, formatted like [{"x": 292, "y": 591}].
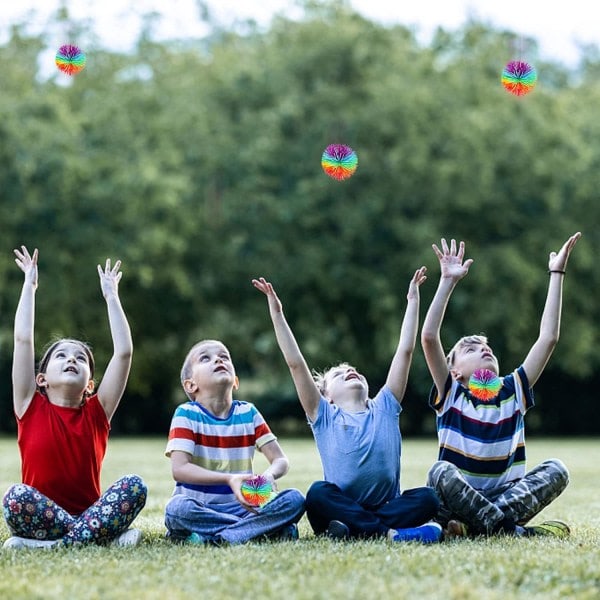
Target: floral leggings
[{"x": 30, "y": 514}]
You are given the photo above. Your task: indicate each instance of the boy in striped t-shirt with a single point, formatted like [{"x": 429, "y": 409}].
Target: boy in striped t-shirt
[
  {"x": 211, "y": 445},
  {"x": 480, "y": 475}
]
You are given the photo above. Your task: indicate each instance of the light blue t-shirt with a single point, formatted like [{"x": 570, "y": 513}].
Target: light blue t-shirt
[{"x": 360, "y": 452}]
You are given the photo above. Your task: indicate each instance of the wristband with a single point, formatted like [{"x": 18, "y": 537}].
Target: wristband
[{"x": 557, "y": 271}]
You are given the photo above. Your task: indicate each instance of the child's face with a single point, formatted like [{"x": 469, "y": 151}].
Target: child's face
[
  {"x": 68, "y": 365},
  {"x": 211, "y": 366},
  {"x": 343, "y": 379},
  {"x": 470, "y": 357}
]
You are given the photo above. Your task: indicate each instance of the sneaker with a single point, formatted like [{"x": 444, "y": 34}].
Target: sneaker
[
  {"x": 556, "y": 529},
  {"x": 21, "y": 542},
  {"x": 289, "y": 533},
  {"x": 337, "y": 530},
  {"x": 427, "y": 534},
  {"x": 194, "y": 539},
  {"x": 130, "y": 537},
  {"x": 455, "y": 529}
]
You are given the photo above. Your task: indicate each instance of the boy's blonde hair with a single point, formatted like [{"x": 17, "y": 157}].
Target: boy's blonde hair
[
  {"x": 320, "y": 377},
  {"x": 464, "y": 341}
]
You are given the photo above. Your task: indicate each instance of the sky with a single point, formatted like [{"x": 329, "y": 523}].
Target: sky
[{"x": 558, "y": 27}]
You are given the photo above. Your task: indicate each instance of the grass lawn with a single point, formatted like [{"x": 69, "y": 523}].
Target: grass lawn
[{"x": 498, "y": 568}]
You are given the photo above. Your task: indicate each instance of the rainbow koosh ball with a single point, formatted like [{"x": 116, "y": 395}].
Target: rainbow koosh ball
[
  {"x": 258, "y": 491},
  {"x": 339, "y": 161},
  {"x": 70, "y": 59},
  {"x": 484, "y": 384},
  {"x": 519, "y": 77}
]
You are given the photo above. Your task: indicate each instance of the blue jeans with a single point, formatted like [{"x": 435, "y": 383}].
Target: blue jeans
[
  {"x": 30, "y": 514},
  {"x": 231, "y": 522},
  {"x": 326, "y": 502}
]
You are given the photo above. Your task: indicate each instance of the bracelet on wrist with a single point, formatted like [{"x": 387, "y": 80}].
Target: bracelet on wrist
[{"x": 556, "y": 271}]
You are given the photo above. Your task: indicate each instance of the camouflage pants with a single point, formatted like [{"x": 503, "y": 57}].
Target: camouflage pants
[{"x": 483, "y": 511}]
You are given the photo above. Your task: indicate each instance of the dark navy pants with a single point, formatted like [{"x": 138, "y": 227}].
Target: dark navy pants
[{"x": 326, "y": 502}]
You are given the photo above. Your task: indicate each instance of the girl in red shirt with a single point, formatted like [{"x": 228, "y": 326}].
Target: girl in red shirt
[{"x": 63, "y": 427}]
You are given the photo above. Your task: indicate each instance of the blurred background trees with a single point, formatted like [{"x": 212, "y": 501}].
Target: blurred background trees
[{"x": 197, "y": 163}]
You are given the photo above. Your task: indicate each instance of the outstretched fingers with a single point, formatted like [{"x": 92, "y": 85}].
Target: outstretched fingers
[
  {"x": 263, "y": 285},
  {"x": 558, "y": 260}
]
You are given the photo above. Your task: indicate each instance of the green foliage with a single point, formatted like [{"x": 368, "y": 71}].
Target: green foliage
[{"x": 197, "y": 163}]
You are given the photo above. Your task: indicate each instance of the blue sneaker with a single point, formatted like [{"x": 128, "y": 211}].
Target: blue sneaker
[
  {"x": 289, "y": 533},
  {"x": 180, "y": 537},
  {"x": 426, "y": 534}
]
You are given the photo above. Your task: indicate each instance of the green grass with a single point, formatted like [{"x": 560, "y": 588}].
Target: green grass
[{"x": 498, "y": 568}]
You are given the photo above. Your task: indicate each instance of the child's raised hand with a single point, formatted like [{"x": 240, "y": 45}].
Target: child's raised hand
[
  {"x": 451, "y": 260},
  {"x": 418, "y": 278},
  {"x": 28, "y": 264},
  {"x": 267, "y": 289},
  {"x": 109, "y": 278},
  {"x": 558, "y": 261}
]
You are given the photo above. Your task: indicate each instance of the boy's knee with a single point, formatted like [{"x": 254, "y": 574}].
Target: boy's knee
[
  {"x": 437, "y": 472},
  {"x": 177, "y": 505},
  {"x": 430, "y": 499},
  {"x": 560, "y": 472},
  {"x": 317, "y": 492}
]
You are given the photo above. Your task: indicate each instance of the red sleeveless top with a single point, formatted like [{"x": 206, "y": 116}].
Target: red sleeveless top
[{"x": 62, "y": 450}]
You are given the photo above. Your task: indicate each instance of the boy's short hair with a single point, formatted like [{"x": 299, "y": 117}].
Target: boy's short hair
[
  {"x": 464, "y": 341},
  {"x": 186, "y": 369},
  {"x": 319, "y": 377}
]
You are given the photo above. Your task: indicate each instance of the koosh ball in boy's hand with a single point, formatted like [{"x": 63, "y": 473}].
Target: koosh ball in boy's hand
[
  {"x": 70, "y": 59},
  {"x": 258, "y": 490},
  {"x": 484, "y": 384},
  {"x": 519, "y": 77},
  {"x": 339, "y": 161}
]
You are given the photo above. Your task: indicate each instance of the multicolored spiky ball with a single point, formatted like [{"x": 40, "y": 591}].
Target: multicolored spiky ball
[
  {"x": 484, "y": 384},
  {"x": 70, "y": 59},
  {"x": 519, "y": 77},
  {"x": 258, "y": 490},
  {"x": 339, "y": 161}
]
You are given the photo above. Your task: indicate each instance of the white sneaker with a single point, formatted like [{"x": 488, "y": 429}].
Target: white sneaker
[
  {"x": 130, "y": 537},
  {"x": 21, "y": 542}
]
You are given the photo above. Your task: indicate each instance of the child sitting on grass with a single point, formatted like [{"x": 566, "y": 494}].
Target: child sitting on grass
[
  {"x": 211, "y": 446},
  {"x": 358, "y": 439},
  {"x": 480, "y": 476},
  {"x": 63, "y": 428}
]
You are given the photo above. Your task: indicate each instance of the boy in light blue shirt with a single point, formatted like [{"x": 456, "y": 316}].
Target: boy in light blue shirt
[{"x": 358, "y": 439}]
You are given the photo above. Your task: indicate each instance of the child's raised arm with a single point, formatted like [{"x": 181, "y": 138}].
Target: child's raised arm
[
  {"x": 23, "y": 369},
  {"x": 550, "y": 323},
  {"x": 308, "y": 392},
  {"x": 452, "y": 270},
  {"x": 115, "y": 377},
  {"x": 398, "y": 373}
]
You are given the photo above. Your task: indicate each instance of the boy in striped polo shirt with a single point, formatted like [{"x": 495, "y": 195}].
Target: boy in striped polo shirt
[
  {"x": 480, "y": 475},
  {"x": 211, "y": 445}
]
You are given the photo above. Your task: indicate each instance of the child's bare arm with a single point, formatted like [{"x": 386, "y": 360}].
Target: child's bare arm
[
  {"x": 305, "y": 386},
  {"x": 279, "y": 464},
  {"x": 23, "y": 369},
  {"x": 542, "y": 349},
  {"x": 115, "y": 377},
  {"x": 453, "y": 268},
  {"x": 400, "y": 367},
  {"x": 184, "y": 470}
]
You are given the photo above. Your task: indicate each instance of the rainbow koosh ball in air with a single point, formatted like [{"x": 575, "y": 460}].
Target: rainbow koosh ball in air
[
  {"x": 70, "y": 59},
  {"x": 519, "y": 77},
  {"x": 258, "y": 491},
  {"x": 484, "y": 384},
  {"x": 339, "y": 161}
]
